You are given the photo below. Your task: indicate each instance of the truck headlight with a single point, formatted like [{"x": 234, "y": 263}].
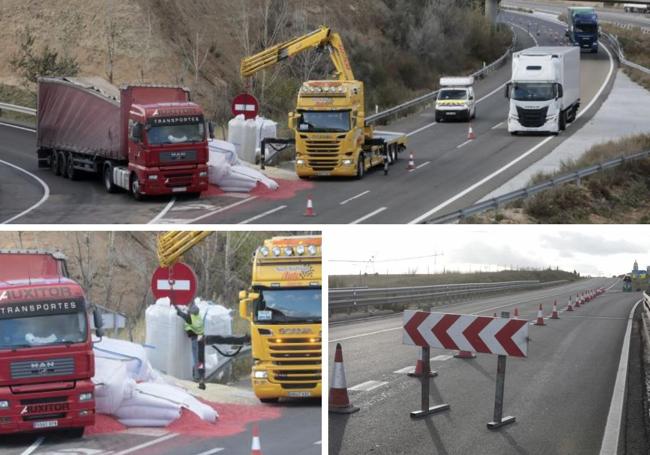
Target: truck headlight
[
  {"x": 260, "y": 375},
  {"x": 85, "y": 396},
  {"x": 203, "y": 174},
  {"x": 153, "y": 177},
  {"x": 300, "y": 162},
  {"x": 347, "y": 162},
  {"x": 4, "y": 404}
]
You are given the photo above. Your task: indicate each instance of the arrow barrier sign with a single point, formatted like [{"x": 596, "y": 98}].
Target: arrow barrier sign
[{"x": 484, "y": 334}]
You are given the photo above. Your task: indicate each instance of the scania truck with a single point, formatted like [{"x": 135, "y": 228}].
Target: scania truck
[
  {"x": 283, "y": 306},
  {"x": 544, "y": 91},
  {"x": 46, "y": 355},
  {"x": 583, "y": 28},
  {"x": 147, "y": 139}
]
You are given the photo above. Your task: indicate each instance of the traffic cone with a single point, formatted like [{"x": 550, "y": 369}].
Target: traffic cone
[
  {"x": 540, "y": 316},
  {"x": 555, "y": 314},
  {"x": 339, "y": 403},
  {"x": 419, "y": 369},
  {"x": 411, "y": 165},
  {"x": 310, "y": 207},
  {"x": 470, "y": 133},
  {"x": 577, "y": 300},
  {"x": 516, "y": 313},
  {"x": 256, "y": 449},
  {"x": 569, "y": 307}
]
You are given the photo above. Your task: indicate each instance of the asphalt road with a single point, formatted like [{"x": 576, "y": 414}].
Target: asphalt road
[
  {"x": 452, "y": 171},
  {"x": 278, "y": 436},
  {"x": 560, "y": 394}
]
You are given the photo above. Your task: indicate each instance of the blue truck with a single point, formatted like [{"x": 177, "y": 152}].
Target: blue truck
[{"x": 583, "y": 28}]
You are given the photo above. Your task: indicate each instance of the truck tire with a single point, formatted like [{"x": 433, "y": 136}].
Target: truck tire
[
  {"x": 135, "y": 188},
  {"x": 70, "y": 171},
  {"x": 361, "y": 166},
  {"x": 438, "y": 117},
  {"x": 108, "y": 179},
  {"x": 562, "y": 120},
  {"x": 54, "y": 162},
  {"x": 62, "y": 164}
]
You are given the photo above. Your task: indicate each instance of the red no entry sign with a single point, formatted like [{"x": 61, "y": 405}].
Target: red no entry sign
[
  {"x": 466, "y": 333},
  {"x": 245, "y": 104},
  {"x": 177, "y": 282}
]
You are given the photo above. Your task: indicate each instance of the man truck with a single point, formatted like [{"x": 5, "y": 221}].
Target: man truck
[
  {"x": 331, "y": 135},
  {"x": 46, "y": 353},
  {"x": 283, "y": 306},
  {"x": 544, "y": 91},
  {"x": 149, "y": 140},
  {"x": 583, "y": 28}
]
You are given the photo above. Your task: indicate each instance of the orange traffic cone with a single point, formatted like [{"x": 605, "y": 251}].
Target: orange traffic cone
[
  {"x": 577, "y": 300},
  {"x": 256, "y": 449},
  {"x": 555, "y": 314},
  {"x": 516, "y": 314},
  {"x": 465, "y": 355},
  {"x": 470, "y": 133},
  {"x": 540, "y": 316},
  {"x": 339, "y": 402},
  {"x": 310, "y": 207},
  {"x": 411, "y": 165},
  {"x": 569, "y": 306},
  {"x": 419, "y": 369}
]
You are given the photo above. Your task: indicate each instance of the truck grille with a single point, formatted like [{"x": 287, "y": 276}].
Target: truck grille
[
  {"x": 182, "y": 156},
  {"x": 323, "y": 155},
  {"x": 298, "y": 361},
  {"x": 42, "y": 368},
  {"x": 532, "y": 118},
  {"x": 177, "y": 179}
]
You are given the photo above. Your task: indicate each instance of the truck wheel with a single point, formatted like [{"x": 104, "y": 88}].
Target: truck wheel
[
  {"x": 438, "y": 117},
  {"x": 108, "y": 179},
  {"x": 361, "y": 166},
  {"x": 562, "y": 120},
  {"x": 62, "y": 164},
  {"x": 269, "y": 400},
  {"x": 54, "y": 162},
  {"x": 71, "y": 172},
  {"x": 135, "y": 188}
]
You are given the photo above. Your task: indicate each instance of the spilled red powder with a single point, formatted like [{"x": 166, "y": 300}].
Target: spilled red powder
[
  {"x": 287, "y": 189},
  {"x": 104, "y": 424}
]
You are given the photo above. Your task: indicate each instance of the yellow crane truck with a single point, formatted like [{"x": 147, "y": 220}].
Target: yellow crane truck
[
  {"x": 283, "y": 306},
  {"x": 331, "y": 134}
]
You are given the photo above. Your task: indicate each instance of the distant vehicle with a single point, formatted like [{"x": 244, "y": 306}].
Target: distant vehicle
[
  {"x": 544, "y": 91},
  {"x": 627, "y": 283},
  {"x": 456, "y": 99},
  {"x": 583, "y": 28},
  {"x": 149, "y": 140},
  {"x": 636, "y": 8}
]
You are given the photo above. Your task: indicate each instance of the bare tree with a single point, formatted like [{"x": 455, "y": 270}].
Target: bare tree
[
  {"x": 194, "y": 55},
  {"x": 112, "y": 33}
]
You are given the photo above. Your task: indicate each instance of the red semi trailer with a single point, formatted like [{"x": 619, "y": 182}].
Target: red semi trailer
[
  {"x": 149, "y": 140},
  {"x": 46, "y": 353}
]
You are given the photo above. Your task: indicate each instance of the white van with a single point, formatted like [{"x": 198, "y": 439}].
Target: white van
[{"x": 456, "y": 99}]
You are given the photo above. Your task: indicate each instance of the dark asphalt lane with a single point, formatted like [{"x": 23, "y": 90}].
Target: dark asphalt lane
[{"x": 560, "y": 394}]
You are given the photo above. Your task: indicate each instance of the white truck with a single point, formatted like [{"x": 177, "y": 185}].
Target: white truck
[
  {"x": 636, "y": 8},
  {"x": 544, "y": 91},
  {"x": 456, "y": 99}
]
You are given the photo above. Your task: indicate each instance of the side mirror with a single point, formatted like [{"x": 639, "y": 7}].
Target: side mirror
[
  {"x": 211, "y": 129},
  {"x": 99, "y": 323},
  {"x": 560, "y": 91},
  {"x": 507, "y": 93},
  {"x": 292, "y": 121}
]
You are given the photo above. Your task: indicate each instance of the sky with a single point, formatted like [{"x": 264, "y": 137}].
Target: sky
[{"x": 597, "y": 250}]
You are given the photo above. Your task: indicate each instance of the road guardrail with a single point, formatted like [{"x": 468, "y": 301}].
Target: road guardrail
[
  {"x": 620, "y": 55},
  {"x": 357, "y": 298},
  {"x": 18, "y": 109}
]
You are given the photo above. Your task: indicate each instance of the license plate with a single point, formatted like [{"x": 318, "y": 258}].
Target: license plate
[
  {"x": 451, "y": 113},
  {"x": 180, "y": 189},
  {"x": 323, "y": 173},
  {"x": 300, "y": 394},
  {"x": 46, "y": 424}
]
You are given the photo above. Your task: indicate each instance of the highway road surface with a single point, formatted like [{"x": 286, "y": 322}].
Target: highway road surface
[
  {"x": 560, "y": 395},
  {"x": 451, "y": 172},
  {"x": 288, "y": 427}
]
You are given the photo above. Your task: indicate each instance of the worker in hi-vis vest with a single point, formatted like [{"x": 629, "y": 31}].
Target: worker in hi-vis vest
[{"x": 194, "y": 329}]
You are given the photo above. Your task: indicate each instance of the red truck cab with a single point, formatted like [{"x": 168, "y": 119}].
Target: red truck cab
[{"x": 46, "y": 353}]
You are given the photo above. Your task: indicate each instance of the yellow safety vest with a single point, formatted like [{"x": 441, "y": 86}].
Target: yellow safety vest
[{"x": 196, "y": 326}]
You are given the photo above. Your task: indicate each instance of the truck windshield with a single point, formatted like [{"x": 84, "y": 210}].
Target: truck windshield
[
  {"x": 324, "y": 121},
  {"x": 288, "y": 305},
  {"x": 586, "y": 27},
  {"x": 452, "y": 95},
  {"x": 176, "y": 132},
  {"x": 47, "y": 330},
  {"x": 532, "y": 91}
]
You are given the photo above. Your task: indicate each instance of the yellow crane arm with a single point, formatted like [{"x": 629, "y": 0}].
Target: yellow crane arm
[
  {"x": 318, "y": 39},
  {"x": 172, "y": 245}
]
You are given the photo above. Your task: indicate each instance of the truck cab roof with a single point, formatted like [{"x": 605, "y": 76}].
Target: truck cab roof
[{"x": 26, "y": 264}]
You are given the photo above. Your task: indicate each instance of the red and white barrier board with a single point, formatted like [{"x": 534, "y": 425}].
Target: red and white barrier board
[{"x": 465, "y": 332}]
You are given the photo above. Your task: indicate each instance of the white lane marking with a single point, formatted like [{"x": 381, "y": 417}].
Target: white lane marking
[
  {"x": 46, "y": 192},
  {"x": 529, "y": 34},
  {"x": 34, "y": 446},
  {"x": 317, "y": 443},
  {"x": 147, "y": 444},
  {"x": 222, "y": 209},
  {"x": 262, "y": 215},
  {"x": 441, "y": 358},
  {"x": 519, "y": 158},
  {"x": 614, "y": 417},
  {"x": 31, "y": 130},
  {"x": 355, "y": 197},
  {"x": 367, "y": 386},
  {"x": 410, "y": 369},
  {"x": 211, "y": 451},
  {"x": 497, "y": 126},
  {"x": 365, "y": 334},
  {"x": 405, "y": 370},
  {"x": 464, "y": 143},
  {"x": 426, "y": 163},
  {"x": 370, "y": 215},
  {"x": 419, "y": 130},
  {"x": 162, "y": 214}
]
